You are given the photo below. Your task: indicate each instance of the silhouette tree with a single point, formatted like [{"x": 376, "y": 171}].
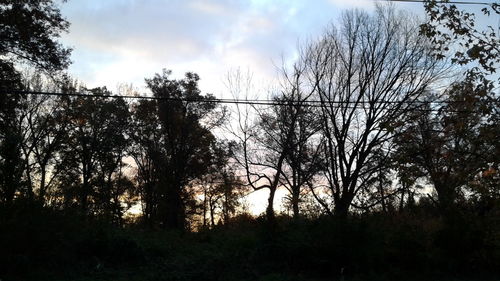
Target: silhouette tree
[
  {"x": 11, "y": 163},
  {"x": 113, "y": 187},
  {"x": 407, "y": 175},
  {"x": 186, "y": 141},
  {"x": 147, "y": 149},
  {"x": 367, "y": 73},
  {"x": 454, "y": 32},
  {"x": 303, "y": 156},
  {"x": 454, "y": 146},
  {"x": 220, "y": 187},
  {"x": 378, "y": 191},
  {"x": 29, "y": 32},
  {"x": 275, "y": 149},
  {"x": 461, "y": 131},
  {"x": 43, "y": 123},
  {"x": 94, "y": 147}
]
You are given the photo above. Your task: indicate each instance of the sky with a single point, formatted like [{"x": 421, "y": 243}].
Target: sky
[{"x": 125, "y": 41}]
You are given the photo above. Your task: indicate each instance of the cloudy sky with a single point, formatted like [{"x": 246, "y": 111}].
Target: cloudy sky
[{"x": 124, "y": 41}]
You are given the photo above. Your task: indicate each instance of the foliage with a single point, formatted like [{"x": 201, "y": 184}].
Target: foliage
[
  {"x": 184, "y": 143},
  {"x": 29, "y": 32},
  {"x": 373, "y": 247},
  {"x": 455, "y": 147},
  {"x": 453, "y": 32}
]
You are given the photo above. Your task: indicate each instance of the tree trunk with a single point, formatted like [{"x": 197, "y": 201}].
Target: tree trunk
[
  {"x": 295, "y": 202},
  {"x": 446, "y": 197},
  {"x": 402, "y": 200},
  {"x": 342, "y": 207},
  {"x": 84, "y": 194},
  {"x": 41, "y": 195},
  {"x": 205, "y": 208},
  {"x": 382, "y": 195},
  {"x": 174, "y": 209},
  {"x": 270, "y": 205}
]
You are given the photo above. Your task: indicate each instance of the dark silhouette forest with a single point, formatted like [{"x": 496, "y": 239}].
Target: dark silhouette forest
[{"x": 384, "y": 134}]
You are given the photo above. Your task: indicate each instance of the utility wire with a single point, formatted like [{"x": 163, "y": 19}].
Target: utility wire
[
  {"x": 310, "y": 103},
  {"x": 215, "y": 100},
  {"x": 443, "y": 2}
]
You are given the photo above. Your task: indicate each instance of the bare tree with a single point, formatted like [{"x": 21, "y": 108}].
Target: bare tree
[
  {"x": 262, "y": 153},
  {"x": 43, "y": 125},
  {"x": 367, "y": 73},
  {"x": 276, "y": 147},
  {"x": 298, "y": 118}
]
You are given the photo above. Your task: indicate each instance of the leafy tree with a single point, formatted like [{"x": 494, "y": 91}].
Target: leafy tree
[
  {"x": 185, "y": 118},
  {"x": 94, "y": 148},
  {"x": 220, "y": 187},
  {"x": 11, "y": 164},
  {"x": 113, "y": 187},
  {"x": 147, "y": 149},
  {"x": 454, "y": 32},
  {"x": 43, "y": 123},
  {"x": 456, "y": 145},
  {"x": 454, "y": 148},
  {"x": 29, "y": 30}
]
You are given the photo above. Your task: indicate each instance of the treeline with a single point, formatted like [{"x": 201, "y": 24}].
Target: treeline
[
  {"x": 101, "y": 155},
  {"x": 359, "y": 123},
  {"x": 376, "y": 123}
]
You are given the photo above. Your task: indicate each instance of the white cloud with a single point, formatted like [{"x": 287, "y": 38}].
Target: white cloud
[
  {"x": 118, "y": 41},
  {"x": 366, "y": 4},
  {"x": 209, "y": 7}
]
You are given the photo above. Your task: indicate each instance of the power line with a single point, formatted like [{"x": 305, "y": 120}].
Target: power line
[
  {"x": 216, "y": 100},
  {"x": 443, "y": 2},
  {"x": 309, "y": 103}
]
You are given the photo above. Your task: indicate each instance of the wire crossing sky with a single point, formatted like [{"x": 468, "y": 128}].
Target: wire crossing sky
[
  {"x": 305, "y": 103},
  {"x": 118, "y": 42},
  {"x": 446, "y": 2}
]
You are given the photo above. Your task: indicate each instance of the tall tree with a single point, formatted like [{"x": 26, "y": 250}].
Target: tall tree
[
  {"x": 184, "y": 115},
  {"x": 11, "y": 163},
  {"x": 29, "y": 31},
  {"x": 274, "y": 145},
  {"x": 147, "y": 149},
  {"x": 221, "y": 189},
  {"x": 367, "y": 73},
  {"x": 454, "y": 146},
  {"x": 43, "y": 124},
  {"x": 94, "y": 148},
  {"x": 295, "y": 114}
]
